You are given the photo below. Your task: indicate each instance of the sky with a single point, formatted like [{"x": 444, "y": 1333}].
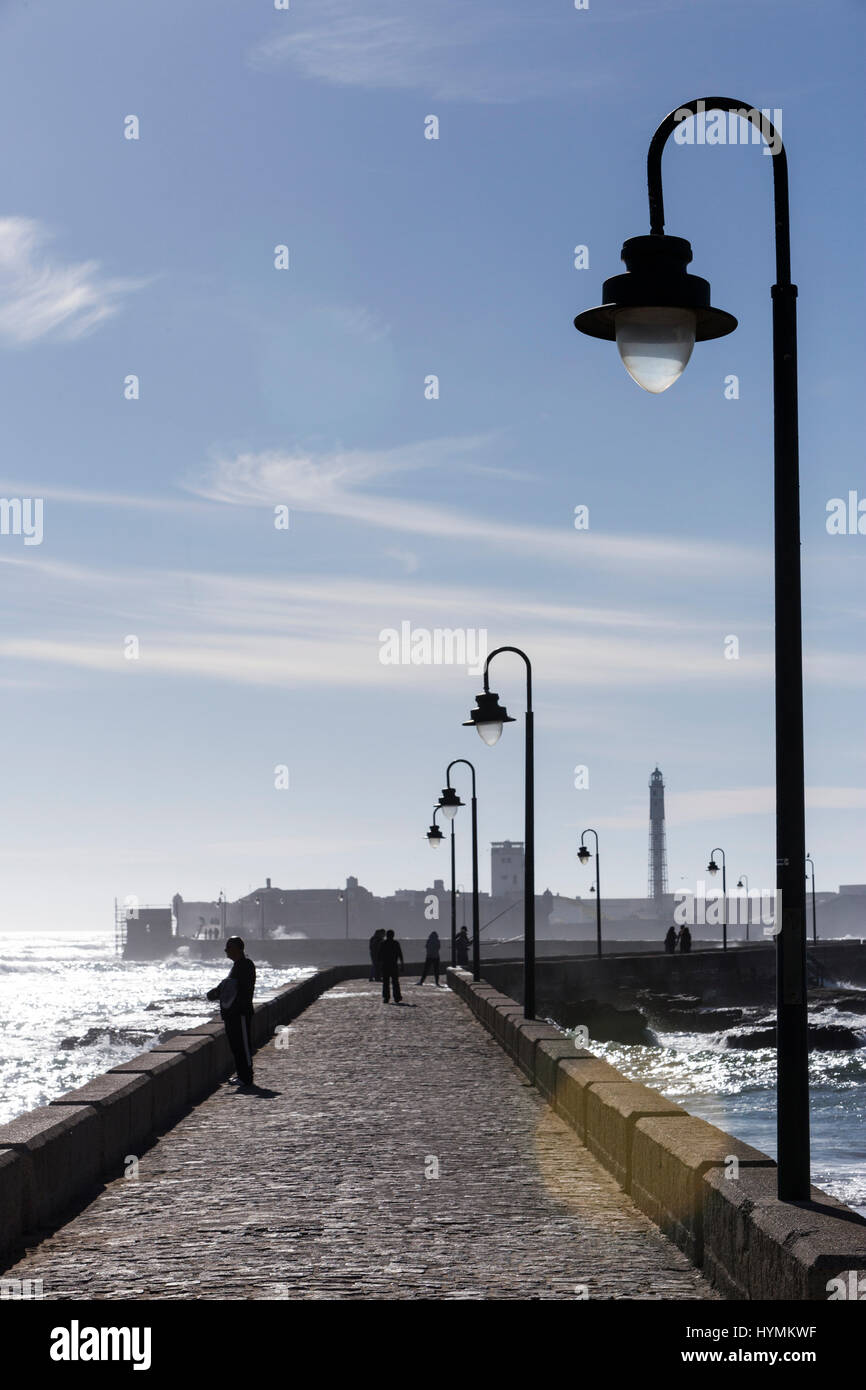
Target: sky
[{"x": 240, "y": 473}]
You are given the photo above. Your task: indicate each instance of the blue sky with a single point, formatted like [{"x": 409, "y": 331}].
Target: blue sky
[{"x": 304, "y": 387}]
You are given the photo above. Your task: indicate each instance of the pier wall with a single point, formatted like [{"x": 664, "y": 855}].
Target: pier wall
[
  {"x": 740, "y": 975},
  {"x": 54, "y": 1159},
  {"x": 714, "y": 1196}
]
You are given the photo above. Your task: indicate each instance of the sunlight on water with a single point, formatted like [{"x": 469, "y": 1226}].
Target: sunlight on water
[
  {"x": 735, "y": 1090},
  {"x": 70, "y": 1008}
]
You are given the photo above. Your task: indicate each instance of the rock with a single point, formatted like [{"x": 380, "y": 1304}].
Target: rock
[
  {"x": 823, "y": 1037},
  {"x": 605, "y": 1023}
]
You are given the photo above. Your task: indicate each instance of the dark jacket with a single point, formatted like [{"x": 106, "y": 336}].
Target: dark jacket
[
  {"x": 432, "y": 947},
  {"x": 235, "y": 992},
  {"x": 389, "y": 954}
]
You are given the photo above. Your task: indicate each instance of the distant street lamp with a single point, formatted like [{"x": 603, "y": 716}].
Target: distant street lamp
[
  {"x": 488, "y": 718},
  {"x": 434, "y": 834},
  {"x": 450, "y": 804},
  {"x": 811, "y": 863},
  {"x": 260, "y": 903},
  {"x": 713, "y": 868},
  {"x": 748, "y": 903},
  {"x": 584, "y": 856},
  {"x": 655, "y": 313}
]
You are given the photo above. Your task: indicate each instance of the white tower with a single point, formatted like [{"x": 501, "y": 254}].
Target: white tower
[{"x": 658, "y": 855}]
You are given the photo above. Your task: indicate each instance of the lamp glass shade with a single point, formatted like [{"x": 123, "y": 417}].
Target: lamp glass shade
[
  {"x": 655, "y": 343},
  {"x": 583, "y": 854},
  {"x": 449, "y": 811},
  {"x": 712, "y": 867},
  {"x": 490, "y": 733}
]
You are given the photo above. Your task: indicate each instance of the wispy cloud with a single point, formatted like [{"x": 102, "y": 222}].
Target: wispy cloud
[
  {"x": 43, "y": 298},
  {"x": 687, "y": 808},
  {"x": 323, "y": 631},
  {"x": 451, "y": 50},
  {"x": 338, "y": 484}
]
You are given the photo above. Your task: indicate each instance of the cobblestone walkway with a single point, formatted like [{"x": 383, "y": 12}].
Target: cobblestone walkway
[{"x": 321, "y": 1190}]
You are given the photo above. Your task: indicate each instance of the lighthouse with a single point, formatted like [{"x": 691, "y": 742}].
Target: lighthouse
[{"x": 657, "y": 869}]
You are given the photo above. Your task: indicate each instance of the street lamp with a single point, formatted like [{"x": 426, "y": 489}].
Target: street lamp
[
  {"x": 450, "y": 804},
  {"x": 810, "y": 861},
  {"x": 652, "y": 311},
  {"x": 488, "y": 718},
  {"x": 584, "y": 856},
  {"x": 713, "y": 868},
  {"x": 748, "y": 903},
  {"x": 434, "y": 834}
]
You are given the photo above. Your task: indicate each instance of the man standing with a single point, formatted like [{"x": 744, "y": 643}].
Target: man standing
[
  {"x": 235, "y": 994},
  {"x": 390, "y": 960},
  {"x": 431, "y": 957},
  {"x": 375, "y": 944}
]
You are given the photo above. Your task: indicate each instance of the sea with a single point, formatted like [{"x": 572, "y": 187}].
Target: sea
[{"x": 71, "y": 1008}]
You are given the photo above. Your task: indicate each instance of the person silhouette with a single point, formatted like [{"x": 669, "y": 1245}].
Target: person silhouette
[
  {"x": 685, "y": 941},
  {"x": 390, "y": 960},
  {"x": 462, "y": 940},
  {"x": 375, "y": 944},
  {"x": 431, "y": 959},
  {"x": 235, "y": 994},
  {"x": 671, "y": 940}
]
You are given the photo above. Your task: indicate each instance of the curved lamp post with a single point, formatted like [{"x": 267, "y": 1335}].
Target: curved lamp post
[
  {"x": 434, "y": 840},
  {"x": 450, "y": 804},
  {"x": 748, "y": 904},
  {"x": 488, "y": 718},
  {"x": 810, "y": 861},
  {"x": 713, "y": 868},
  {"x": 584, "y": 856},
  {"x": 655, "y": 312}
]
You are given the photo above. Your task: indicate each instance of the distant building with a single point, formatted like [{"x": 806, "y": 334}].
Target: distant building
[
  {"x": 506, "y": 868},
  {"x": 657, "y": 872}
]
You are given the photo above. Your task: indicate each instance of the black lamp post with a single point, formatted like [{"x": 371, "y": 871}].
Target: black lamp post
[
  {"x": 748, "y": 903},
  {"x": 656, "y": 312},
  {"x": 434, "y": 840},
  {"x": 434, "y": 834},
  {"x": 450, "y": 804},
  {"x": 713, "y": 868},
  {"x": 344, "y": 898},
  {"x": 810, "y": 861},
  {"x": 584, "y": 855},
  {"x": 488, "y": 718}
]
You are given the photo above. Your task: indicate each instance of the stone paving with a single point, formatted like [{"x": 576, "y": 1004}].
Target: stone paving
[{"x": 325, "y": 1186}]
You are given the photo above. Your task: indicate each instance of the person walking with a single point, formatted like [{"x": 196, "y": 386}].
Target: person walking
[
  {"x": 671, "y": 940},
  {"x": 375, "y": 946},
  {"x": 431, "y": 959},
  {"x": 235, "y": 995},
  {"x": 462, "y": 940},
  {"x": 685, "y": 941},
  {"x": 390, "y": 960}
]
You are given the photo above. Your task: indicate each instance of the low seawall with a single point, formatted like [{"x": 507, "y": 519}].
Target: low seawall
[
  {"x": 712, "y": 1195},
  {"x": 741, "y": 975},
  {"x": 54, "y": 1159}
]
